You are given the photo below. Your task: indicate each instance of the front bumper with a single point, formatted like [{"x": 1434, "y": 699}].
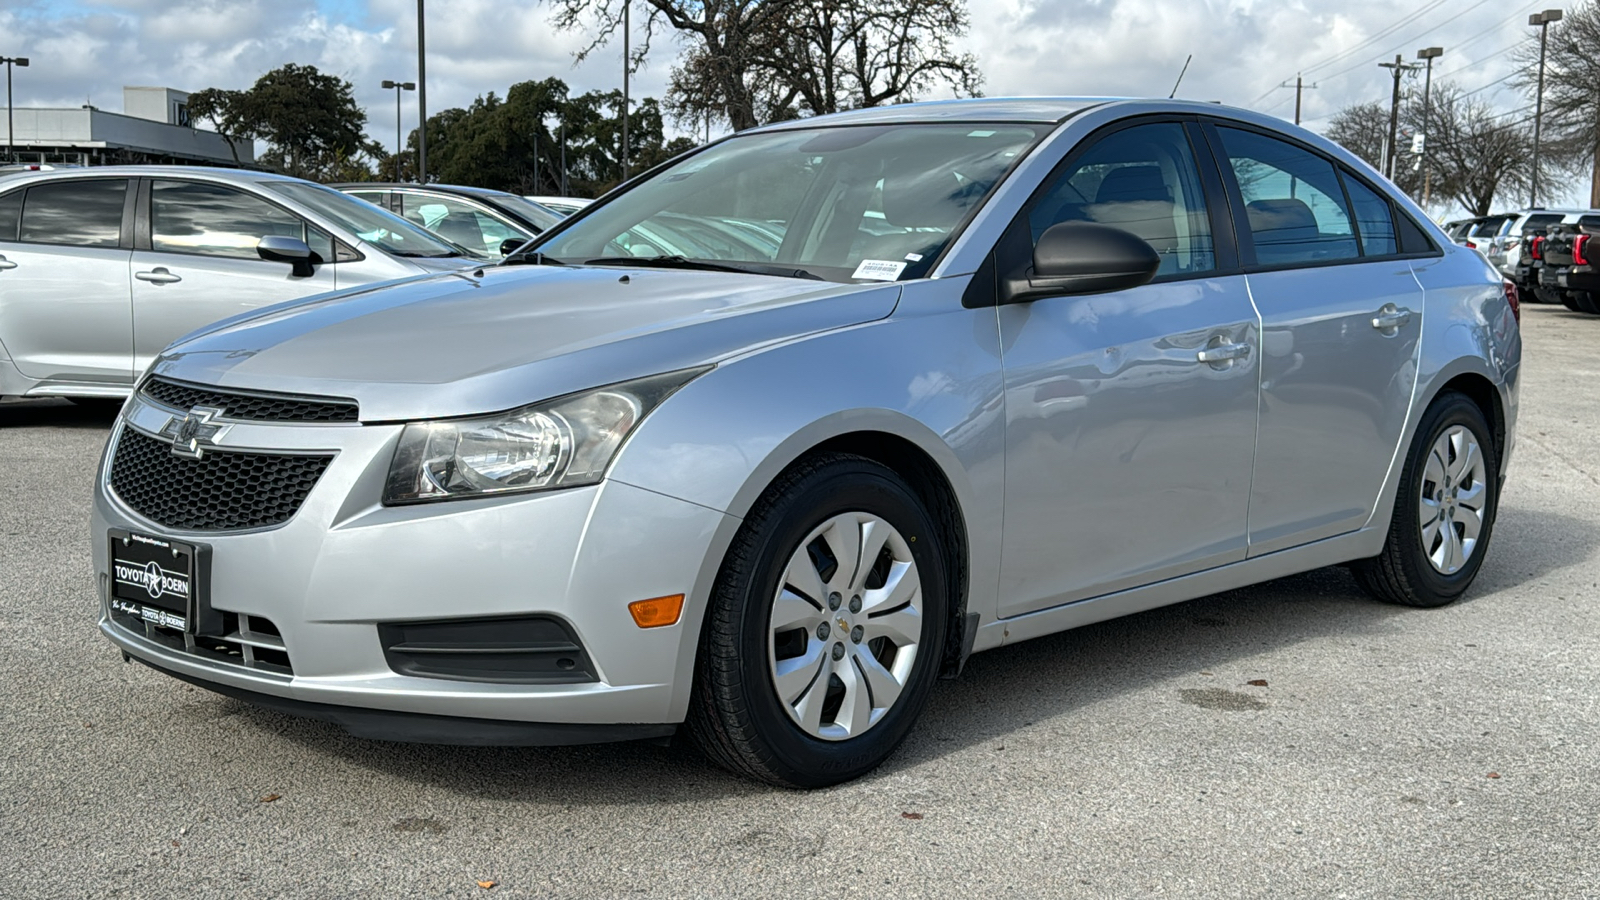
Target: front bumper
[{"x": 345, "y": 564}]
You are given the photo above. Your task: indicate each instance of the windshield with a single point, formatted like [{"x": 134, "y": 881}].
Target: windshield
[
  {"x": 378, "y": 227},
  {"x": 864, "y": 203}
]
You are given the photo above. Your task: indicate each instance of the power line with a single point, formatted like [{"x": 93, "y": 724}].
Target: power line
[{"x": 1404, "y": 21}]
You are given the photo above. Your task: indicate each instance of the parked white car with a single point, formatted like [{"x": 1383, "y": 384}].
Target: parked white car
[
  {"x": 100, "y": 268},
  {"x": 563, "y": 205}
]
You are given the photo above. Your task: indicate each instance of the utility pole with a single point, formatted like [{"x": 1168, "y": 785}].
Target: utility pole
[
  {"x": 564, "y": 159},
  {"x": 1542, "y": 20},
  {"x": 398, "y": 86},
  {"x": 422, "y": 97},
  {"x": 1430, "y": 54},
  {"x": 1400, "y": 67},
  {"x": 1299, "y": 89},
  {"x": 627, "y": 63},
  {"x": 11, "y": 122}
]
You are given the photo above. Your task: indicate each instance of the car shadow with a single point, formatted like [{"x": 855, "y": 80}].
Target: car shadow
[
  {"x": 58, "y": 413},
  {"x": 1001, "y": 691}
]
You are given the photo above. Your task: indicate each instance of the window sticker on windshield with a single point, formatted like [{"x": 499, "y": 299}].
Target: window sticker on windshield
[
  {"x": 980, "y": 134},
  {"x": 879, "y": 270},
  {"x": 913, "y": 257}
]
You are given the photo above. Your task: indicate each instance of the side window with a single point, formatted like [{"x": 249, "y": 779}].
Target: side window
[
  {"x": 76, "y": 213},
  {"x": 10, "y": 215},
  {"x": 1143, "y": 180},
  {"x": 1374, "y": 219},
  {"x": 212, "y": 220},
  {"x": 1293, "y": 202}
]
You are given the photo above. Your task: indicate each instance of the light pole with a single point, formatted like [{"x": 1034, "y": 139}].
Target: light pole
[
  {"x": 1543, "y": 20},
  {"x": 627, "y": 8},
  {"x": 398, "y": 86},
  {"x": 1430, "y": 54},
  {"x": 11, "y": 125},
  {"x": 422, "y": 99}
]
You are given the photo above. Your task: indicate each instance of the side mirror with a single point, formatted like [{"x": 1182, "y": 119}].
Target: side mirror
[
  {"x": 1082, "y": 258},
  {"x": 295, "y": 252},
  {"x": 512, "y": 245}
]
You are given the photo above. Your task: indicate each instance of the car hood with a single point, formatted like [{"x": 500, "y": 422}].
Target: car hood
[{"x": 460, "y": 343}]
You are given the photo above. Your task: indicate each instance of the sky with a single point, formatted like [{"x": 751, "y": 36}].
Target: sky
[{"x": 84, "y": 51}]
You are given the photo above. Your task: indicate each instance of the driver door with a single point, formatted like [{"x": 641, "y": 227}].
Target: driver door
[{"x": 1128, "y": 458}]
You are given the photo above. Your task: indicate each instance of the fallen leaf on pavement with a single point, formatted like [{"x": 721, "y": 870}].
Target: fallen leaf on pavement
[
  {"x": 271, "y": 797},
  {"x": 487, "y": 884},
  {"x": 910, "y": 815},
  {"x": 1257, "y": 682},
  {"x": 1494, "y": 774}
]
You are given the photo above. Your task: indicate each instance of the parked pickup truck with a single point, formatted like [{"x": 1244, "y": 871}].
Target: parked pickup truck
[{"x": 1569, "y": 252}]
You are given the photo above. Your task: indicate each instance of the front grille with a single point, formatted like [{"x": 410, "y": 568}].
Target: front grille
[
  {"x": 252, "y": 642},
  {"x": 245, "y": 405},
  {"x": 225, "y": 490}
]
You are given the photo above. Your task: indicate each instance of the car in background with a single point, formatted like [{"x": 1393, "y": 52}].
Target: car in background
[
  {"x": 1525, "y": 255},
  {"x": 100, "y": 268},
  {"x": 483, "y": 221},
  {"x": 1481, "y": 230},
  {"x": 1014, "y": 367},
  {"x": 1567, "y": 269},
  {"x": 566, "y": 206}
]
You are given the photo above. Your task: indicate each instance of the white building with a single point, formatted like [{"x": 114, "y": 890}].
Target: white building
[{"x": 153, "y": 127}]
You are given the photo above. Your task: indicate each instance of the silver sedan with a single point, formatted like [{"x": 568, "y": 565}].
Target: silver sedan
[{"x": 1006, "y": 367}]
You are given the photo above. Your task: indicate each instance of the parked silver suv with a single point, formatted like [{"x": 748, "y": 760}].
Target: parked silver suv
[
  {"x": 1011, "y": 367},
  {"x": 100, "y": 268}
]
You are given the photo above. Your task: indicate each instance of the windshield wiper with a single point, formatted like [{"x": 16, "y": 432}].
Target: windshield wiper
[
  {"x": 683, "y": 262},
  {"x": 521, "y": 258}
]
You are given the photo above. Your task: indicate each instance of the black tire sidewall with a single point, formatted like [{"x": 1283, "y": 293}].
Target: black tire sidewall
[
  {"x": 845, "y": 486},
  {"x": 1430, "y": 586}
]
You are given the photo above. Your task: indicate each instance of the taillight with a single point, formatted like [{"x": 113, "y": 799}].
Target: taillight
[
  {"x": 1513, "y": 299},
  {"x": 1471, "y": 246},
  {"x": 1579, "y": 243},
  {"x": 1536, "y": 249}
]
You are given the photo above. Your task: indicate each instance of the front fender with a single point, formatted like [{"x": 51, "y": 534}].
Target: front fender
[{"x": 928, "y": 374}]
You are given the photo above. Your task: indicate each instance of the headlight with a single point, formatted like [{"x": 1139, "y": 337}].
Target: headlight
[{"x": 559, "y": 443}]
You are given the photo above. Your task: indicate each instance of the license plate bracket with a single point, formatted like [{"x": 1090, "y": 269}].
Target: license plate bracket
[{"x": 162, "y": 581}]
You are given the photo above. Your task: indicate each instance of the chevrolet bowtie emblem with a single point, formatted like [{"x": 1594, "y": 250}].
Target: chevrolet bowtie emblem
[{"x": 193, "y": 433}]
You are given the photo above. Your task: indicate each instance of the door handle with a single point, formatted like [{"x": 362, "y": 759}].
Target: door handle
[
  {"x": 1390, "y": 319},
  {"x": 6, "y": 264},
  {"x": 158, "y": 275},
  {"x": 1221, "y": 353}
]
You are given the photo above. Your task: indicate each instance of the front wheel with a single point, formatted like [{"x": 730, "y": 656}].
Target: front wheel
[
  {"x": 1444, "y": 510},
  {"x": 826, "y": 627}
]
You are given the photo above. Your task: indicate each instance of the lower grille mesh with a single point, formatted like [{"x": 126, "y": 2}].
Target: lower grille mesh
[{"x": 221, "y": 491}]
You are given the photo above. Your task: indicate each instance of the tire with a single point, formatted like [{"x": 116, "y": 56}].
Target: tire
[
  {"x": 1404, "y": 573},
  {"x": 1570, "y": 301},
  {"x": 736, "y": 714},
  {"x": 1585, "y": 302},
  {"x": 1549, "y": 295}
]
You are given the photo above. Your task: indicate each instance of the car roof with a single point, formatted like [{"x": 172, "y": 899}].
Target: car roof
[
  {"x": 213, "y": 173},
  {"x": 403, "y": 185},
  {"x": 1043, "y": 110}
]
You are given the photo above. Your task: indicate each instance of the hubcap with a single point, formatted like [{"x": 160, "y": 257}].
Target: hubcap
[
  {"x": 1452, "y": 500},
  {"x": 837, "y": 689}
]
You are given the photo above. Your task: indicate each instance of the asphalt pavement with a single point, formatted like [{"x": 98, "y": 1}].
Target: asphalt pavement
[{"x": 1294, "y": 739}]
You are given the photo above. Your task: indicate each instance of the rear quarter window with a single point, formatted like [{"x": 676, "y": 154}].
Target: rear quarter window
[{"x": 10, "y": 215}]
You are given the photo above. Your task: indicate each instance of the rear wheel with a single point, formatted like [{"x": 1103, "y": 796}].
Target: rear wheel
[
  {"x": 1569, "y": 299},
  {"x": 1585, "y": 302},
  {"x": 1444, "y": 510},
  {"x": 825, "y": 630}
]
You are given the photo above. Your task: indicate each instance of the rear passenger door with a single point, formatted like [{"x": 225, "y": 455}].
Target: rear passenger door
[
  {"x": 196, "y": 260},
  {"x": 1341, "y": 315},
  {"x": 64, "y": 303}
]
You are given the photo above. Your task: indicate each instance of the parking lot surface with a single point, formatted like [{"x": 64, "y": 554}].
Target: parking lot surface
[{"x": 1291, "y": 739}]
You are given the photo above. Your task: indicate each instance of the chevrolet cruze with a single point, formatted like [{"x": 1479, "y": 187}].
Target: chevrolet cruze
[{"x": 1008, "y": 367}]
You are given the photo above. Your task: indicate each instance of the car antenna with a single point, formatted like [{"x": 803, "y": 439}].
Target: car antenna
[{"x": 1180, "y": 77}]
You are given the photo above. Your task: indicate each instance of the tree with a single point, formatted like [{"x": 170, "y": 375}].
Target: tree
[
  {"x": 1474, "y": 155},
  {"x": 515, "y": 143},
  {"x": 1571, "y": 128},
  {"x": 755, "y": 61},
  {"x": 309, "y": 120}
]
